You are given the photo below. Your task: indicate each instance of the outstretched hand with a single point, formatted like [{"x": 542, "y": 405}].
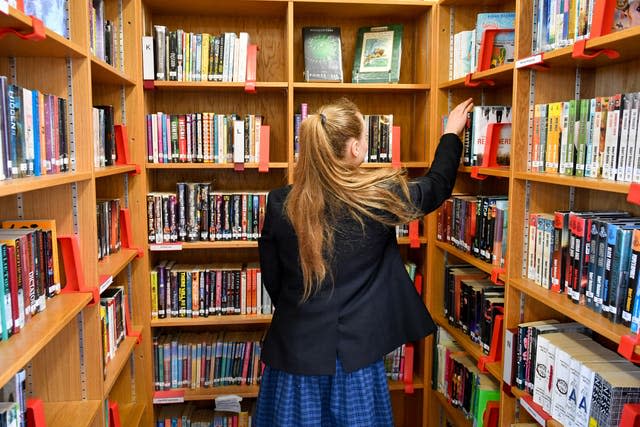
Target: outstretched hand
[{"x": 458, "y": 117}]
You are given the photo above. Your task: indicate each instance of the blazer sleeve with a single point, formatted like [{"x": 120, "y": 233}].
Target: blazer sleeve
[
  {"x": 268, "y": 250},
  {"x": 431, "y": 190}
]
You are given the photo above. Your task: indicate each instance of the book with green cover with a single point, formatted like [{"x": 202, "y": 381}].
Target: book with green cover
[
  {"x": 377, "y": 54},
  {"x": 322, "y": 54}
]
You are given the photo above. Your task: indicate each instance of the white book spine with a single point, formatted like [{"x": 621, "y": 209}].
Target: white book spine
[
  {"x": 625, "y": 107},
  {"x": 238, "y": 141},
  {"x": 148, "y": 72},
  {"x": 632, "y": 142},
  {"x": 540, "y": 380}
]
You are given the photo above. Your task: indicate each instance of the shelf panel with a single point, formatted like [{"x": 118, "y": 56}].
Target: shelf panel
[
  {"x": 406, "y": 165},
  {"x": 102, "y": 72},
  {"x": 579, "y": 313},
  {"x": 399, "y": 385},
  {"x": 406, "y": 241},
  {"x": 160, "y": 166},
  {"x": 115, "y": 366},
  {"x": 626, "y": 42},
  {"x": 454, "y": 414},
  {"x": 502, "y": 76},
  {"x": 113, "y": 170},
  {"x": 131, "y": 414},
  {"x": 31, "y": 183},
  {"x": 179, "y": 246},
  {"x": 572, "y": 181},
  {"x": 71, "y": 414},
  {"x": 503, "y": 172},
  {"x": 222, "y": 86},
  {"x": 54, "y": 45},
  {"x": 203, "y": 7},
  {"x": 113, "y": 264},
  {"x": 39, "y": 330},
  {"x": 466, "y": 257},
  {"x": 226, "y": 320},
  {"x": 364, "y": 8},
  {"x": 360, "y": 87}
]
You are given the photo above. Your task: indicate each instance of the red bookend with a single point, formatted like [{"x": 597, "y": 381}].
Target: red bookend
[
  {"x": 168, "y": 396},
  {"x": 579, "y": 51},
  {"x": 73, "y": 270},
  {"x": 417, "y": 282},
  {"x": 630, "y": 415},
  {"x": 252, "y": 65},
  {"x": 414, "y": 236},
  {"x": 495, "y": 275},
  {"x": 634, "y": 193},
  {"x": 489, "y": 159},
  {"x": 35, "y": 413},
  {"x": 149, "y": 85},
  {"x": 627, "y": 347},
  {"x": 114, "y": 415},
  {"x": 126, "y": 233},
  {"x": 602, "y": 21},
  {"x": 263, "y": 161},
  {"x": 122, "y": 147},
  {"x": 238, "y": 167},
  {"x": 469, "y": 82},
  {"x": 495, "y": 353},
  {"x": 38, "y": 33},
  {"x": 486, "y": 46},
  {"x": 408, "y": 368},
  {"x": 395, "y": 148},
  {"x": 491, "y": 414}
]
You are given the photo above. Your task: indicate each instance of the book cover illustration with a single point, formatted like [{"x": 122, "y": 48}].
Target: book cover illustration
[
  {"x": 626, "y": 14},
  {"x": 52, "y": 12},
  {"x": 482, "y": 116},
  {"x": 377, "y": 55},
  {"x": 503, "y": 45},
  {"x": 322, "y": 54}
]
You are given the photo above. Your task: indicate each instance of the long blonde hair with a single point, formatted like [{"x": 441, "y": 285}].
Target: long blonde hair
[{"x": 325, "y": 182}]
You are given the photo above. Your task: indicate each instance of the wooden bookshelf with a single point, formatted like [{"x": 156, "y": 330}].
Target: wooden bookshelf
[
  {"x": 113, "y": 264},
  {"x": 577, "y": 182},
  {"x": 359, "y": 87},
  {"x": 161, "y": 166},
  {"x": 231, "y": 319},
  {"x": 71, "y": 414},
  {"x": 115, "y": 365},
  {"x": 500, "y": 76},
  {"x": 131, "y": 414},
  {"x": 101, "y": 72},
  {"x": 113, "y": 170},
  {"x": 455, "y": 415},
  {"x": 23, "y": 185},
  {"x": 213, "y": 86}
]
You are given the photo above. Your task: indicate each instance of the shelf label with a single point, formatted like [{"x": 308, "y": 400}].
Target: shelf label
[
  {"x": 168, "y": 396},
  {"x": 165, "y": 247},
  {"x": 529, "y": 61}
]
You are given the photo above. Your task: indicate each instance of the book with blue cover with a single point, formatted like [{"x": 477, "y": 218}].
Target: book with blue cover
[
  {"x": 503, "y": 46},
  {"x": 53, "y": 14}
]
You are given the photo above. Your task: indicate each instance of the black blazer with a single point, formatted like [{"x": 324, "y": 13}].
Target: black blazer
[{"x": 370, "y": 308}]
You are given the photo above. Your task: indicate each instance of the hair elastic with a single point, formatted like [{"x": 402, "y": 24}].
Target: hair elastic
[{"x": 323, "y": 119}]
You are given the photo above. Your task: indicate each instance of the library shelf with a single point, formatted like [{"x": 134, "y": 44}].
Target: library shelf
[
  {"x": 625, "y": 42},
  {"x": 102, "y": 72},
  {"x": 16, "y": 352},
  {"x": 400, "y": 386},
  {"x": 365, "y": 8},
  {"x": 209, "y": 393},
  {"x": 113, "y": 264},
  {"x": 360, "y": 87},
  {"x": 31, "y": 183},
  {"x": 53, "y": 45},
  {"x": 501, "y": 76},
  {"x": 466, "y": 257},
  {"x": 579, "y": 313},
  {"x": 520, "y": 394},
  {"x": 454, "y": 414},
  {"x": 578, "y": 182},
  {"x": 179, "y": 246},
  {"x": 502, "y": 172},
  {"x": 232, "y": 86},
  {"x": 73, "y": 413},
  {"x": 131, "y": 414},
  {"x": 213, "y": 320},
  {"x": 407, "y": 240},
  {"x": 473, "y": 349},
  {"x": 405, "y": 165},
  {"x": 192, "y": 165},
  {"x": 203, "y": 7},
  {"x": 115, "y": 365},
  {"x": 113, "y": 170}
]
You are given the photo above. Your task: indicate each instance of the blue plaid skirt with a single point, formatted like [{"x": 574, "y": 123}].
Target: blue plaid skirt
[{"x": 356, "y": 399}]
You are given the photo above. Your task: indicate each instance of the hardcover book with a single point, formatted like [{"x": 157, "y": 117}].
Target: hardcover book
[
  {"x": 503, "y": 44},
  {"x": 377, "y": 55},
  {"x": 322, "y": 54},
  {"x": 53, "y": 14}
]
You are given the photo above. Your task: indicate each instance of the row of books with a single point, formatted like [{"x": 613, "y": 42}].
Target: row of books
[
  {"x": 475, "y": 224},
  {"x": 460, "y": 381},
  {"x": 112, "y": 320},
  {"x": 108, "y": 219},
  {"x": 575, "y": 380},
  {"x": 561, "y": 23},
  {"x": 466, "y": 44},
  {"x": 481, "y": 120},
  {"x": 203, "y": 138},
  {"x": 377, "y": 54},
  {"x": 13, "y": 401},
  {"x": 183, "y": 56},
  {"x": 28, "y": 271},
  {"x": 194, "y": 213},
  {"x": 179, "y": 290},
  {"x": 594, "y": 137},
  {"x": 104, "y": 141},
  {"x": 590, "y": 256},
  {"x": 203, "y": 360},
  {"x": 188, "y": 415},
  {"x": 34, "y": 137},
  {"x": 102, "y": 34},
  {"x": 396, "y": 363},
  {"x": 471, "y": 302}
]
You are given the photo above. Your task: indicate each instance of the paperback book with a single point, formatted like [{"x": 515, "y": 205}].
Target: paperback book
[
  {"x": 322, "y": 54},
  {"x": 377, "y": 55}
]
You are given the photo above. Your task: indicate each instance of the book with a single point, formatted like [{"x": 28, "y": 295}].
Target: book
[
  {"x": 322, "y": 48},
  {"x": 503, "y": 45},
  {"x": 53, "y": 14},
  {"x": 626, "y": 15},
  {"x": 377, "y": 54}
]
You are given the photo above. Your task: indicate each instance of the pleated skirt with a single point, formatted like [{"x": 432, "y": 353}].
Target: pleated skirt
[{"x": 356, "y": 399}]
